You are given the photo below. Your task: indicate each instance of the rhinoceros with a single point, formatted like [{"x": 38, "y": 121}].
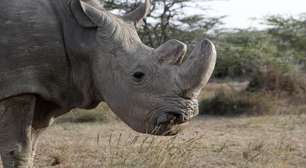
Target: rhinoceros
[{"x": 56, "y": 55}]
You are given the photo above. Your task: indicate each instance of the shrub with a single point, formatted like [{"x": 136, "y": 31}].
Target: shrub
[
  {"x": 244, "y": 53},
  {"x": 235, "y": 104},
  {"x": 279, "y": 81}
]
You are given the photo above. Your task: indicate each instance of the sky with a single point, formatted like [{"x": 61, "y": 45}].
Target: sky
[{"x": 241, "y": 13}]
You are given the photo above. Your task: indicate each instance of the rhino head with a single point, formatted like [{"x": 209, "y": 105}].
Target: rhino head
[{"x": 152, "y": 90}]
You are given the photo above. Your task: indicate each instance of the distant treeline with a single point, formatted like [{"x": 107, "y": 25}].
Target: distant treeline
[
  {"x": 246, "y": 52},
  {"x": 241, "y": 53}
]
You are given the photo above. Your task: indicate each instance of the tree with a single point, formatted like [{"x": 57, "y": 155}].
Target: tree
[
  {"x": 247, "y": 52},
  {"x": 167, "y": 20}
]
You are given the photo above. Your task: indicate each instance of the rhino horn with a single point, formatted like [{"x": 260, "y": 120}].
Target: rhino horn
[
  {"x": 137, "y": 15},
  {"x": 196, "y": 70}
]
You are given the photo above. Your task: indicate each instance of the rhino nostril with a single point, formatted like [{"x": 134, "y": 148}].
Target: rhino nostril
[
  {"x": 178, "y": 117},
  {"x": 171, "y": 118}
]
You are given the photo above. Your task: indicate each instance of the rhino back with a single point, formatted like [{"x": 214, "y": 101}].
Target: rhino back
[
  {"x": 32, "y": 51},
  {"x": 29, "y": 27}
]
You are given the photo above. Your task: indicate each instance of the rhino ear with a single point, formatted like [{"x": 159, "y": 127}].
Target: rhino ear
[
  {"x": 172, "y": 52},
  {"x": 87, "y": 12},
  {"x": 137, "y": 15}
]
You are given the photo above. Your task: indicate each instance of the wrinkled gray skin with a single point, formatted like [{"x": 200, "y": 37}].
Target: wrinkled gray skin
[{"x": 56, "y": 55}]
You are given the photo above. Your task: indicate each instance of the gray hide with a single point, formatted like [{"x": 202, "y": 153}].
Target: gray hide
[{"x": 44, "y": 51}]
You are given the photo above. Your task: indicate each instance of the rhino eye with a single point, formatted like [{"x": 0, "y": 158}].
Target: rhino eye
[{"x": 138, "y": 76}]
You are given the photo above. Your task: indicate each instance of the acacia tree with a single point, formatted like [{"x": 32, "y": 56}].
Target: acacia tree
[{"x": 167, "y": 20}]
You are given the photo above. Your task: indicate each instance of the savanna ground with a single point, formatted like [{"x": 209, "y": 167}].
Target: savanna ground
[
  {"x": 212, "y": 142},
  {"x": 258, "y": 141}
]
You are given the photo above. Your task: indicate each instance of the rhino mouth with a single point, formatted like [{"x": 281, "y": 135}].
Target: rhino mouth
[{"x": 170, "y": 123}]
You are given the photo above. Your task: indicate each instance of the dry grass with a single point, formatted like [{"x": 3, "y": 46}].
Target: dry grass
[{"x": 267, "y": 141}]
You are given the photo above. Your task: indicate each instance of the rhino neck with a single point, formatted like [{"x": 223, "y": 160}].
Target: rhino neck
[
  {"x": 80, "y": 58},
  {"x": 80, "y": 45}
]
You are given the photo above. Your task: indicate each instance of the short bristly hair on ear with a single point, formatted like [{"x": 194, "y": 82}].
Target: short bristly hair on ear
[
  {"x": 91, "y": 13},
  {"x": 172, "y": 52},
  {"x": 78, "y": 9},
  {"x": 137, "y": 15}
]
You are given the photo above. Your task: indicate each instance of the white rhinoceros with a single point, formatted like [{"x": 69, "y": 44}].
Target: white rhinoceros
[{"x": 56, "y": 55}]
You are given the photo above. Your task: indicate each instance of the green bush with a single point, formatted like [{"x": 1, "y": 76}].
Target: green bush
[
  {"x": 245, "y": 53},
  {"x": 241, "y": 54}
]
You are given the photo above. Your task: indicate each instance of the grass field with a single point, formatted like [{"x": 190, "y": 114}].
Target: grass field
[{"x": 209, "y": 142}]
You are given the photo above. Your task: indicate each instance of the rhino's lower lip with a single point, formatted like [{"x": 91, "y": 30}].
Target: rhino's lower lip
[{"x": 169, "y": 123}]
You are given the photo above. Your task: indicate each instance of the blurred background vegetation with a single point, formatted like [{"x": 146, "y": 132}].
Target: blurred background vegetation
[{"x": 271, "y": 61}]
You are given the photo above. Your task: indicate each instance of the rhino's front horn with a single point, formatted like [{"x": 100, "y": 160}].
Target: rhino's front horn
[
  {"x": 197, "y": 69},
  {"x": 139, "y": 13}
]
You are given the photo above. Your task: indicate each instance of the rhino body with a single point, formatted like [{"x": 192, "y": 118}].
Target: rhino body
[
  {"x": 42, "y": 52},
  {"x": 56, "y": 55}
]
